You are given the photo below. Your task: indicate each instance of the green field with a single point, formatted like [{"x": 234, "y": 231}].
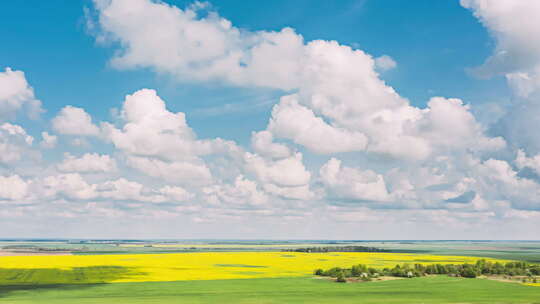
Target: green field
[{"x": 438, "y": 289}]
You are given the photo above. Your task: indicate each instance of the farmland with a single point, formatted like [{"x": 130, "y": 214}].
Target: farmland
[
  {"x": 244, "y": 273},
  {"x": 192, "y": 266},
  {"x": 281, "y": 290}
]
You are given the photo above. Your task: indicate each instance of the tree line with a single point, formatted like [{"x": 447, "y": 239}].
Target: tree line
[
  {"x": 481, "y": 267},
  {"x": 337, "y": 249}
]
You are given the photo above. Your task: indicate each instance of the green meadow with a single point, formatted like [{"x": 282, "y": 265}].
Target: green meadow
[{"x": 435, "y": 289}]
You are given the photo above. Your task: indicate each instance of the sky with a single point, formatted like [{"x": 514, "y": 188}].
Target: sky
[{"x": 276, "y": 120}]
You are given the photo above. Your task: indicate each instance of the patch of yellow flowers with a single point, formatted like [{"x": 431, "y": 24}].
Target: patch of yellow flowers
[{"x": 193, "y": 266}]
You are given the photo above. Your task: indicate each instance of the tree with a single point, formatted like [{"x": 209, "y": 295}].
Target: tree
[{"x": 341, "y": 278}]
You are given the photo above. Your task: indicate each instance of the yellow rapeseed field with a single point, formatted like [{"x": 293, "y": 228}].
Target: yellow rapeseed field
[{"x": 192, "y": 266}]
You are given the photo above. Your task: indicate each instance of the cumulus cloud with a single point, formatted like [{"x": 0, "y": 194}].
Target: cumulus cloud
[
  {"x": 160, "y": 143},
  {"x": 516, "y": 28},
  {"x": 263, "y": 143},
  {"x": 183, "y": 172},
  {"x": 285, "y": 172},
  {"x": 522, "y": 161},
  {"x": 13, "y": 188},
  {"x": 69, "y": 185},
  {"x": 298, "y": 123},
  {"x": 89, "y": 162},
  {"x": 195, "y": 47},
  {"x": 353, "y": 184},
  {"x": 48, "y": 141},
  {"x": 385, "y": 63},
  {"x": 16, "y": 94},
  {"x": 243, "y": 192},
  {"x": 125, "y": 190},
  {"x": 74, "y": 121},
  {"x": 14, "y": 142},
  {"x": 74, "y": 186}
]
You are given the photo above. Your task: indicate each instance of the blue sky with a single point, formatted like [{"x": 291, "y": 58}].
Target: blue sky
[{"x": 349, "y": 173}]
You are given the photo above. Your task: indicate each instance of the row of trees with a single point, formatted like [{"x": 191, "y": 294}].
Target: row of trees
[
  {"x": 481, "y": 267},
  {"x": 338, "y": 249}
]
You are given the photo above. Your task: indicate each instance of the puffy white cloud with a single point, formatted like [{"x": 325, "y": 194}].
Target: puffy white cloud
[
  {"x": 89, "y": 162},
  {"x": 500, "y": 182},
  {"x": 175, "y": 193},
  {"x": 295, "y": 192},
  {"x": 183, "y": 172},
  {"x": 195, "y": 47},
  {"x": 160, "y": 143},
  {"x": 74, "y": 121},
  {"x": 284, "y": 172},
  {"x": 74, "y": 187},
  {"x": 125, "y": 190},
  {"x": 17, "y": 94},
  {"x": 385, "y": 63},
  {"x": 263, "y": 143},
  {"x": 522, "y": 161},
  {"x": 14, "y": 142},
  {"x": 343, "y": 106},
  {"x": 448, "y": 124},
  {"x": 70, "y": 185},
  {"x": 13, "y": 188},
  {"x": 48, "y": 141},
  {"x": 151, "y": 130},
  {"x": 298, "y": 123},
  {"x": 516, "y": 28},
  {"x": 353, "y": 184},
  {"x": 242, "y": 192}
]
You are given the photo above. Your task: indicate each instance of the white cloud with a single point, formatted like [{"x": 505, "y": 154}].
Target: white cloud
[
  {"x": 160, "y": 143},
  {"x": 151, "y": 130},
  {"x": 501, "y": 182},
  {"x": 74, "y": 121},
  {"x": 182, "y": 172},
  {"x": 74, "y": 187},
  {"x": 295, "y": 122},
  {"x": 295, "y": 192},
  {"x": 125, "y": 190},
  {"x": 353, "y": 184},
  {"x": 16, "y": 94},
  {"x": 48, "y": 141},
  {"x": 13, "y": 188},
  {"x": 14, "y": 142},
  {"x": 70, "y": 185},
  {"x": 176, "y": 194},
  {"x": 522, "y": 161},
  {"x": 89, "y": 162},
  {"x": 191, "y": 47},
  {"x": 242, "y": 192},
  {"x": 516, "y": 28},
  {"x": 263, "y": 143},
  {"x": 284, "y": 172},
  {"x": 385, "y": 63}
]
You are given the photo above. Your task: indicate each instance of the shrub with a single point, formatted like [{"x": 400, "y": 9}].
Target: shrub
[{"x": 341, "y": 278}]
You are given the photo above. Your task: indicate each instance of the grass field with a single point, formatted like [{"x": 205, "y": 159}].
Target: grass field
[
  {"x": 88, "y": 269},
  {"x": 283, "y": 290}
]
